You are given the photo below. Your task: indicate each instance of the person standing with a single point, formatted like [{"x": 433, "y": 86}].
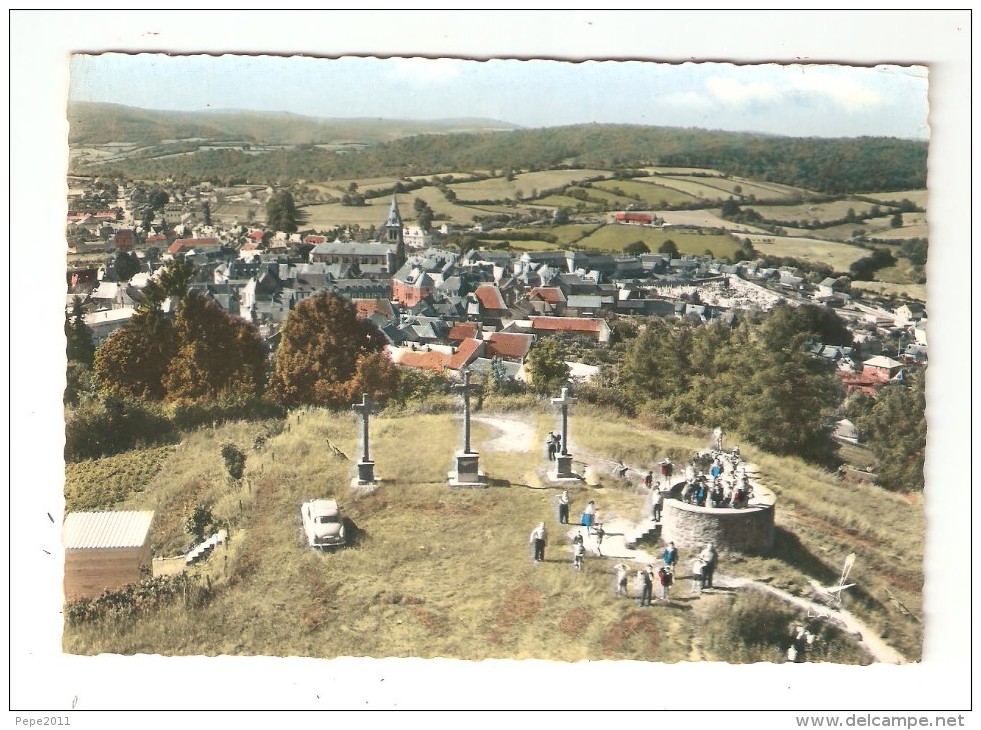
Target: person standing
[
  {"x": 621, "y": 573},
  {"x": 709, "y": 559},
  {"x": 670, "y": 556},
  {"x": 697, "y": 576},
  {"x": 550, "y": 446},
  {"x": 599, "y": 533},
  {"x": 588, "y": 515},
  {"x": 646, "y": 585},
  {"x": 564, "y": 507},
  {"x": 578, "y": 553},
  {"x": 649, "y": 479},
  {"x": 539, "y": 536},
  {"x": 658, "y": 504},
  {"x": 665, "y": 576}
]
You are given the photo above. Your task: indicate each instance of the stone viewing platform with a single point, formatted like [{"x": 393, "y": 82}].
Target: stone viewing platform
[{"x": 748, "y": 528}]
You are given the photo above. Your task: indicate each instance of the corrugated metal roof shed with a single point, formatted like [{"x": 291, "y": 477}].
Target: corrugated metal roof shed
[{"x": 100, "y": 530}]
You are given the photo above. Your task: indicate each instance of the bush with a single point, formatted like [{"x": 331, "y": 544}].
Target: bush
[
  {"x": 200, "y": 522},
  {"x": 234, "y": 461},
  {"x": 101, "y": 427}
]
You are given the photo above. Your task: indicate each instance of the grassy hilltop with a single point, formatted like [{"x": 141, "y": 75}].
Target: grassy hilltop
[{"x": 440, "y": 572}]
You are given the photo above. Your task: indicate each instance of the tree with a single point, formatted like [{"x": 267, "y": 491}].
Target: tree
[
  {"x": 322, "y": 341},
  {"x": 896, "y": 221},
  {"x": 158, "y": 199},
  {"x": 896, "y": 428},
  {"x": 669, "y": 247},
  {"x": 561, "y": 217},
  {"x": 126, "y": 266},
  {"x": 282, "y": 213},
  {"x": 216, "y": 354},
  {"x": 636, "y": 248},
  {"x": 424, "y": 214},
  {"x": 206, "y": 212},
  {"x": 80, "y": 347},
  {"x": 132, "y": 361},
  {"x": 547, "y": 367}
]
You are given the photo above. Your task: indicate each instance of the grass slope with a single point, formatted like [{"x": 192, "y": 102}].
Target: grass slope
[{"x": 440, "y": 572}]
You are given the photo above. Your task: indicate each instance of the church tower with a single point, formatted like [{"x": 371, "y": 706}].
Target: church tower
[{"x": 392, "y": 233}]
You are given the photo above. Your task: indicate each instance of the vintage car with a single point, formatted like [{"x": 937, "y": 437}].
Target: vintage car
[{"x": 323, "y": 523}]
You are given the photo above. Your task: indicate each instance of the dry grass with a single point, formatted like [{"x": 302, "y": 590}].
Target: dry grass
[
  {"x": 615, "y": 237},
  {"x": 905, "y": 291},
  {"x": 441, "y": 572},
  {"x": 839, "y": 256}
]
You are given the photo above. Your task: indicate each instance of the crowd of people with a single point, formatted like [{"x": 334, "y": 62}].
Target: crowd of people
[{"x": 717, "y": 479}]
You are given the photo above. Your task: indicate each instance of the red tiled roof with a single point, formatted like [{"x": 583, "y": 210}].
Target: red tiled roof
[
  {"x": 550, "y": 294},
  {"x": 462, "y": 331},
  {"x": 490, "y": 297},
  {"x": 509, "y": 345},
  {"x": 256, "y": 235},
  {"x": 466, "y": 352},
  {"x": 567, "y": 324},
  {"x": 436, "y": 361},
  {"x": 181, "y": 243},
  {"x": 367, "y": 307}
]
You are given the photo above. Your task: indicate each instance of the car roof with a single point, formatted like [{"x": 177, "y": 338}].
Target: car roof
[{"x": 323, "y": 506}]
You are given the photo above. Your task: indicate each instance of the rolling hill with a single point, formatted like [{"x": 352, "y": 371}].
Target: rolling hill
[{"x": 98, "y": 123}]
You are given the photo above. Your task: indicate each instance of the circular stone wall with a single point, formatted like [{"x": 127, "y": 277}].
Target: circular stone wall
[{"x": 747, "y": 530}]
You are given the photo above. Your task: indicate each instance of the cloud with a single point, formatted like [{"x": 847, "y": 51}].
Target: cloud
[
  {"x": 730, "y": 91},
  {"x": 839, "y": 89},
  {"x": 688, "y": 100}
]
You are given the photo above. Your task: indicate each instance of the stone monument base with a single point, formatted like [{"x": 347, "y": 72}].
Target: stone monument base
[
  {"x": 563, "y": 473},
  {"x": 467, "y": 474}
]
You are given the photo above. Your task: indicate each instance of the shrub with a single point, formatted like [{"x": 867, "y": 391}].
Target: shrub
[
  {"x": 200, "y": 522},
  {"x": 234, "y": 461}
]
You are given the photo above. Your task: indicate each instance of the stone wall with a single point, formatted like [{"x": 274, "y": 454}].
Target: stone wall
[{"x": 747, "y": 530}]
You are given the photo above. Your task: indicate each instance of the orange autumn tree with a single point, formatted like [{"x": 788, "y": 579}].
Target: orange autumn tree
[
  {"x": 216, "y": 354},
  {"x": 328, "y": 357},
  {"x": 203, "y": 354}
]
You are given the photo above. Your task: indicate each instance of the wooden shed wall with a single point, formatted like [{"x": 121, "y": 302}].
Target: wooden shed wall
[{"x": 89, "y": 572}]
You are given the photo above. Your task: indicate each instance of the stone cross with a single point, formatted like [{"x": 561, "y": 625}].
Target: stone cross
[
  {"x": 363, "y": 409},
  {"x": 465, "y": 388},
  {"x": 565, "y": 400}
]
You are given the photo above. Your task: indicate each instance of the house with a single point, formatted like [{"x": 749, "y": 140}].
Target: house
[
  {"x": 106, "y": 321},
  {"x": 461, "y": 331},
  {"x": 547, "y": 300},
  {"x": 182, "y": 245},
  {"x": 637, "y": 219},
  {"x": 590, "y": 328},
  {"x": 910, "y": 312},
  {"x": 468, "y": 351},
  {"x": 881, "y": 368},
  {"x": 512, "y": 346},
  {"x": 421, "y": 275},
  {"x": 417, "y": 238},
  {"x": 105, "y": 551},
  {"x": 378, "y": 255},
  {"x": 845, "y": 431}
]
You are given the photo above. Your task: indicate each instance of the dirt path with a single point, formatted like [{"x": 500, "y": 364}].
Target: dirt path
[
  {"x": 865, "y": 635},
  {"x": 516, "y": 435}
]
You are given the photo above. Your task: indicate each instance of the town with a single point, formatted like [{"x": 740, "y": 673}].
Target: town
[{"x": 443, "y": 309}]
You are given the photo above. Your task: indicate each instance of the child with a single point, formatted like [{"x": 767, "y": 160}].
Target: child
[
  {"x": 665, "y": 576},
  {"x": 621, "y": 572},
  {"x": 578, "y": 551},
  {"x": 598, "y": 531}
]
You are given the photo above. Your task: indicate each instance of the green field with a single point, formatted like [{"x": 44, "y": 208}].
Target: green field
[
  {"x": 839, "y": 256},
  {"x": 439, "y": 572},
  {"x": 829, "y": 211},
  {"x": 500, "y": 188},
  {"x": 682, "y": 171},
  {"x": 649, "y": 192},
  {"x": 563, "y": 201},
  {"x": 332, "y": 215},
  {"x": 698, "y": 188},
  {"x": 615, "y": 237},
  {"x": 910, "y": 291},
  {"x": 917, "y": 197}
]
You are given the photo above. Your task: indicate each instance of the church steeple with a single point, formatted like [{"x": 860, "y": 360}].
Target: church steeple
[{"x": 392, "y": 232}]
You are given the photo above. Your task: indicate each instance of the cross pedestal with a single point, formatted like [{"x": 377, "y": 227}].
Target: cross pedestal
[
  {"x": 467, "y": 473},
  {"x": 563, "y": 460},
  {"x": 366, "y": 467}
]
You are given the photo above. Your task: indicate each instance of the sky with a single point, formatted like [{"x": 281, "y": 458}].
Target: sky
[{"x": 822, "y": 100}]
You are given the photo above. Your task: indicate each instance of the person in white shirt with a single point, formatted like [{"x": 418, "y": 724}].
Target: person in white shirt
[{"x": 538, "y": 538}]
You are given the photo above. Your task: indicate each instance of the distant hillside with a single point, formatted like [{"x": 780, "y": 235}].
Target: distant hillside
[
  {"x": 96, "y": 123},
  {"x": 833, "y": 166}
]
